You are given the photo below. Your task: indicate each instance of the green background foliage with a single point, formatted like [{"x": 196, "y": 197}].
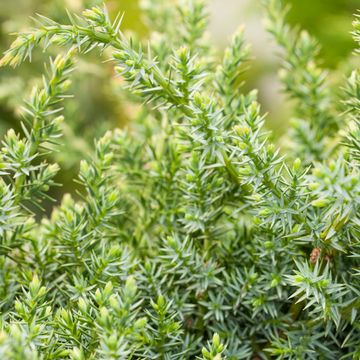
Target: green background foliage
[{"x": 330, "y": 22}]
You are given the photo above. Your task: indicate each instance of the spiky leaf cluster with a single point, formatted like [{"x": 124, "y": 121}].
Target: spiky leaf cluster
[{"x": 190, "y": 226}]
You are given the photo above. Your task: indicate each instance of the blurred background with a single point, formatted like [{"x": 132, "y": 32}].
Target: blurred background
[{"x": 97, "y": 106}]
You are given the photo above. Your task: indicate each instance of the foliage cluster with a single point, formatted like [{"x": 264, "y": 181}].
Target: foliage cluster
[{"x": 193, "y": 236}]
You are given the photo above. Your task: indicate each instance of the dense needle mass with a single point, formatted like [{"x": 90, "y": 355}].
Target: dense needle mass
[{"x": 194, "y": 237}]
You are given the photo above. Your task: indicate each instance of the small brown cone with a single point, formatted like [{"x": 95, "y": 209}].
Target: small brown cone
[{"x": 315, "y": 254}]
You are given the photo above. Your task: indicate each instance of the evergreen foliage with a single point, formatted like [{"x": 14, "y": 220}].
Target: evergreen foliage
[{"x": 193, "y": 236}]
